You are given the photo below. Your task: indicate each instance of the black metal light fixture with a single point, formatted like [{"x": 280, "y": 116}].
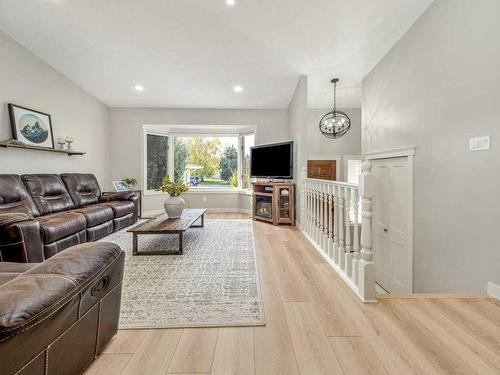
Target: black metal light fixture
[{"x": 335, "y": 123}]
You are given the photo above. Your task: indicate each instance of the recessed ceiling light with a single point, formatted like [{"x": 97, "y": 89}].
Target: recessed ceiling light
[
  {"x": 230, "y": 2},
  {"x": 237, "y": 89},
  {"x": 139, "y": 87}
]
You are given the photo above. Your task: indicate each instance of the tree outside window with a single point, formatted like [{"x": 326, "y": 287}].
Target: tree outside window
[{"x": 206, "y": 161}]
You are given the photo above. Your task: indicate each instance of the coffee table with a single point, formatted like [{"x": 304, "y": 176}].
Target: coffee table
[{"x": 163, "y": 225}]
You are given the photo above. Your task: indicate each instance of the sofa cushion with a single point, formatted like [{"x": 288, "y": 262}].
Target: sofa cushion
[
  {"x": 83, "y": 188},
  {"x": 120, "y": 208},
  {"x": 95, "y": 214},
  {"x": 14, "y": 197},
  {"x": 48, "y": 192},
  {"x": 61, "y": 224}
]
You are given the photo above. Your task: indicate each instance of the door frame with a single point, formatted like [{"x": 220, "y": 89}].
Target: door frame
[{"x": 408, "y": 152}]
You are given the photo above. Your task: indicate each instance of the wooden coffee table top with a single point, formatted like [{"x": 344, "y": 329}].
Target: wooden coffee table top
[{"x": 162, "y": 224}]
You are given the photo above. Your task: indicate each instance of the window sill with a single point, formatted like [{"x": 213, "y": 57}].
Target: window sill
[{"x": 206, "y": 191}]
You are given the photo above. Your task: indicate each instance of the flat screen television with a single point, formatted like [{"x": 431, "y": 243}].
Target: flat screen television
[{"x": 272, "y": 161}]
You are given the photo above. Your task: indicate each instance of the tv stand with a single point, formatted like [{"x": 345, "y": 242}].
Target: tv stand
[{"x": 274, "y": 202}]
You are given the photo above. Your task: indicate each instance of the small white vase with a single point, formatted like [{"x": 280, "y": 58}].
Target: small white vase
[{"x": 174, "y": 206}]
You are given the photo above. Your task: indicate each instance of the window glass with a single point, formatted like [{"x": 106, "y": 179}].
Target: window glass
[
  {"x": 204, "y": 161},
  {"x": 157, "y": 157},
  {"x": 353, "y": 171}
]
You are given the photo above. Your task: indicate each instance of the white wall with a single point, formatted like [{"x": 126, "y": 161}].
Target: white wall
[
  {"x": 438, "y": 87},
  {"x": 126, "y": 138},
  {"x": 28, "y": 81},
  {"x": 309, "y": 142}
]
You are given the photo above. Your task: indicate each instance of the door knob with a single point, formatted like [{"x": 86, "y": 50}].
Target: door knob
[{"x": 385, "y": 230}]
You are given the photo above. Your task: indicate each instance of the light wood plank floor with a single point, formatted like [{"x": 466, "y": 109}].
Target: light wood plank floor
[{"x": 315, "y": 325}]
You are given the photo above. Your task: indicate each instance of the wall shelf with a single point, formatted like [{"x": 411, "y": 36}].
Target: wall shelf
[{"x": 35, "y": 148}]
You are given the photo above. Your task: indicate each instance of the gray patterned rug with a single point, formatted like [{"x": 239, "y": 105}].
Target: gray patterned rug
[{"x": 214, "y": 283}]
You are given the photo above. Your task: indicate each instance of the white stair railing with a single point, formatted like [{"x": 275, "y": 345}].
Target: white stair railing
[{"x": 331, "y": 222}]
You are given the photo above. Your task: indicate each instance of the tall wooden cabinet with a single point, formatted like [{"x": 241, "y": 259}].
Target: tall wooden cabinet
[{"x": 274, "y": 202}]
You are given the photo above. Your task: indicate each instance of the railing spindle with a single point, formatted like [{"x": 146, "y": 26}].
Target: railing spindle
[
  {"x": 336, "y": 223},
  {"x": 341, "y": 230},
  {"x": 356, "y": 254},
  {"x": 330, "y": 221},
  {"x": 348, "y": 247},
  {"x": 325, "y": 218}
]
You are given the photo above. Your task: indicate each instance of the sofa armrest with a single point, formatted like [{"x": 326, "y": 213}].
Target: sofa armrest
[
  {"x": 64, "y": 304},
  {"x": 47, "y": 286},
  {"x": 119, "y": 196},
  {"x": 13, "y": 218},
  {"x": 20, "y": 239},
  {"x": 123, "y": 196}
]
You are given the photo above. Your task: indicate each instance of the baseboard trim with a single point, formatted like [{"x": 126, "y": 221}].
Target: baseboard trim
[
  {"x": 151, "y": 213},
  {"x": 493, "y": 290}
]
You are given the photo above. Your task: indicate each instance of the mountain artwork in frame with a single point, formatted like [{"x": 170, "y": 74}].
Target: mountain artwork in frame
[{"x": 33, "y": 128}]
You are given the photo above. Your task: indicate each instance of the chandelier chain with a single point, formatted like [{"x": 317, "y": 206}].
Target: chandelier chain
[{"x": 334, "y": 97}]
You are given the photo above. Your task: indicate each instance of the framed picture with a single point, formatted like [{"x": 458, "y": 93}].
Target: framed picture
[
  {"x": 31, "y": 127},
  {"x": 120, "y": 186}
]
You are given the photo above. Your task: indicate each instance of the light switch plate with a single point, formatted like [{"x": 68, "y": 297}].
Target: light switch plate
[{"x": 479, "y": 143}]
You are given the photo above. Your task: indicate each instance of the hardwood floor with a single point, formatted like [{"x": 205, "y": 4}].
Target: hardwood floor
[{"x": 316, "y": 325}]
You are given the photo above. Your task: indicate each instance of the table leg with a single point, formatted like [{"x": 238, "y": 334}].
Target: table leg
[
  {"x": 180, "y": 243},
  {"x": 202, "y": 218},
  {"x": 135, "y": 244}
]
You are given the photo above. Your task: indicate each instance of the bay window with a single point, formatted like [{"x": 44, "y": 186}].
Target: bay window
[{"x": 200, "y": 160}]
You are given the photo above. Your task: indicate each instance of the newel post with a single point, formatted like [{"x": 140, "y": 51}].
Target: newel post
[
  {"x": 366, "y": 265},
  {"x": 303, "y": 189}
]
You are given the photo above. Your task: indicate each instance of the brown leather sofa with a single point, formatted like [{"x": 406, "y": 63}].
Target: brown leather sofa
[
  {"x": 56, "y": 316},
  {"x": 43, "y": 214}
]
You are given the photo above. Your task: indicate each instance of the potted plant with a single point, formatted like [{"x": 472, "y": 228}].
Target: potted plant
[
  {"x": 174, "y": 204},
  {"x": 130, "y": 181}
]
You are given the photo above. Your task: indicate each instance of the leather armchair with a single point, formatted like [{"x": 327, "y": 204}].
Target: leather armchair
[
  {"x": 20, "y": 239},
  {"x": 56, "y": 316}
]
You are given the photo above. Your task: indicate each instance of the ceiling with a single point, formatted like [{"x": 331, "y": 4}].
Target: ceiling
[{"x": 191, "y": 53}]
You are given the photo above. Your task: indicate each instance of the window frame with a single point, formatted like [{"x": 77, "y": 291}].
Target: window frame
[
  {"x": 240, "y": 159},
  {"x": 144, "y": 160},
  {"x": 178, "y": 131}
]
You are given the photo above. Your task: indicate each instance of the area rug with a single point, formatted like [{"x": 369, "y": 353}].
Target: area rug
[{"x": 214, "y": 283}]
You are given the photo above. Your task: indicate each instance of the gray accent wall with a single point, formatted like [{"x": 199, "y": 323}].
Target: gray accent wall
[
  {"x": 126, "y": 140},
  {"x": 435, "y": 89},
  {"x": 29, "y": 82}
]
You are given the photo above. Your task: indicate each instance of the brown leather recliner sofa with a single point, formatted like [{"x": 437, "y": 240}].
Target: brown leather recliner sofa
[
  {"x": 56, "y": 316},
  {"x": 43, "y": 214}
]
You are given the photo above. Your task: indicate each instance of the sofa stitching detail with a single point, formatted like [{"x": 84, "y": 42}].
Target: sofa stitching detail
[
  {"x": 31, "y": 361},
  {"x": 51, "y": 275}
]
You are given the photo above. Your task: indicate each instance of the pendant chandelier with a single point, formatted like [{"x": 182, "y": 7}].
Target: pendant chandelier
[{"x": 335, "y": 123}]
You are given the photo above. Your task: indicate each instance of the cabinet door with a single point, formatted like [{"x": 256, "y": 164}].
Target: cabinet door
[
  {"x": 322, "y": 169},
  {"x": 284, "y": 206}
]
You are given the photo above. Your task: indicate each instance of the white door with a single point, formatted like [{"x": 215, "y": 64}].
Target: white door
[{"x": 391, "y": 209}]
